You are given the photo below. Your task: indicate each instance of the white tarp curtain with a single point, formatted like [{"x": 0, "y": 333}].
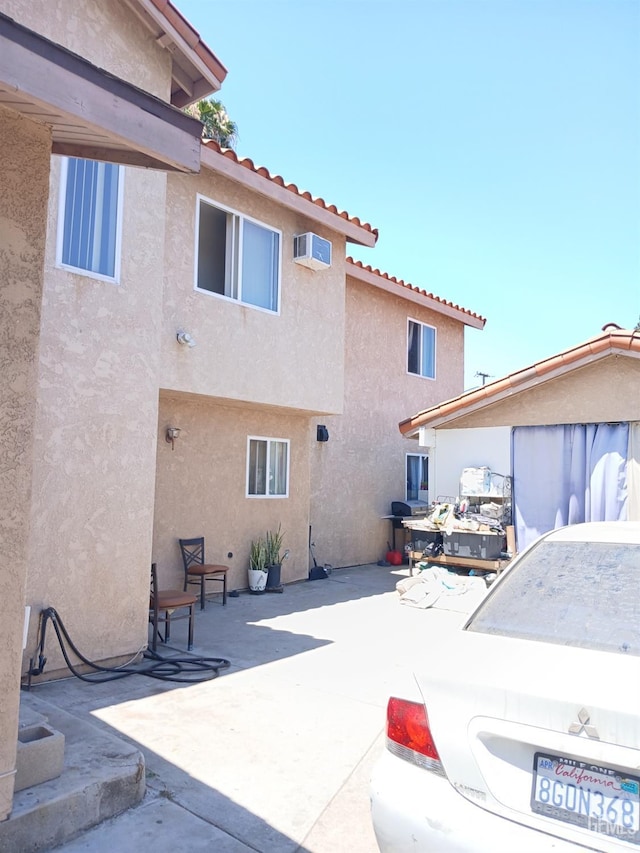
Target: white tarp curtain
[
  {"x": 633, "y": 472},
  {"x": 567, "y": 474}
]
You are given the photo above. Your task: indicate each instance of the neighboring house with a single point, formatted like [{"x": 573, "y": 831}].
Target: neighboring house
[
  {"x": 566, "y": 428},
  {"x": 100, "y": 81}
]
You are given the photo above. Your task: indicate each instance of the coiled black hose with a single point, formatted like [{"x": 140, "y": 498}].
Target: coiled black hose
[{"x": 190, "y": 669}]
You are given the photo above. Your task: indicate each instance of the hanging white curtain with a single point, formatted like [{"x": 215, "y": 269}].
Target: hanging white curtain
[
  {"x": 567, "y": 474},
  {"x": 633, "y": 472}
]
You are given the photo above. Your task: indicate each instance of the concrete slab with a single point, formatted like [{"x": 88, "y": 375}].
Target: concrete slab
[
  {"x": 160, "y": 826},
  {"x": 275, "y": 754},
  {"x": 102, "y": 776}
]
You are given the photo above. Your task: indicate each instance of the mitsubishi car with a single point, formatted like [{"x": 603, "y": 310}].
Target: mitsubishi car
[{"x": 522, "y": 731}]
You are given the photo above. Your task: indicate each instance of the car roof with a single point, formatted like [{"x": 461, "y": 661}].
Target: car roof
[{"x": 598, "y": 531}]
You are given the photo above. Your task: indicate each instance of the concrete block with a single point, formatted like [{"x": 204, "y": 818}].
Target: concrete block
[{"x": 40, "y": 755}]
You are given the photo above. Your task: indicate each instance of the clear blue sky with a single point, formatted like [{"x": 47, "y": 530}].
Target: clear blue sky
[{"x": 495, "y": 144}]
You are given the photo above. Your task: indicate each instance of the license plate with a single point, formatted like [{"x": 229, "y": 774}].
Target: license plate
[{"x": 592, "y": 796}]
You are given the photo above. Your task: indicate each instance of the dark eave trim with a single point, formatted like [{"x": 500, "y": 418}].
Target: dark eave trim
[{"x": 71, "y": 92}]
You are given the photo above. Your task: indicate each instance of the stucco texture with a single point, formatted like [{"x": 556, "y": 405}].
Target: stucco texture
[
  {"x": 24, "y": 177},
  {"x": 106, "y": 32},
  {"x": 605, "y": 390},
  {"x": 361, "y": 469},
  {"x": 201, "y": 487},
  {"x": 95, "y": 443},
  {"x": 293, "y": 359}
]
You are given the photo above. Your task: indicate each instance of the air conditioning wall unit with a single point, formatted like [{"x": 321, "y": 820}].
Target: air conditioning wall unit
[{"x": 312, "y": 251}]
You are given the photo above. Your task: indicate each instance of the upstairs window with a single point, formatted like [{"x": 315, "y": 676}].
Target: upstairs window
[
  {"x": 267, "y": 467},
  {"x": 90, "y": 213},
  {"x": 421, "y": 349},
  {"x": 237, "y": 257}
]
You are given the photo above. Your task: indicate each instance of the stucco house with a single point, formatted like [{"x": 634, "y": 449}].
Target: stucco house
[
  {"x": 311, "y": 371},
  {"x": 152, "y": 281},
  {"x": 67, "y": 89},
  {"x": 566, "y": 429},
  {"x": 402, "y": 344}
]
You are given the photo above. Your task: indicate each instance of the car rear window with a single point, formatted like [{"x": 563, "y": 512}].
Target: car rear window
[{"x": 570, "y": 593}]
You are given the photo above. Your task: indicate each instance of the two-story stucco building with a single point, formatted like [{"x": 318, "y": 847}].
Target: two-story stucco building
[
  {"x": 103, "y": 82},
  {"x": 145, "y": 242}
]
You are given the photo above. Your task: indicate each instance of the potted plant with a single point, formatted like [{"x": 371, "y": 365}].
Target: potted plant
[
  {"x": 273, "y": 543},
  {"x": 258, "y": 569}
]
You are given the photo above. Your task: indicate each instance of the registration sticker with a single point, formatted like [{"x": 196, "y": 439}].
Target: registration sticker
[{"x": 593, "y": 796}]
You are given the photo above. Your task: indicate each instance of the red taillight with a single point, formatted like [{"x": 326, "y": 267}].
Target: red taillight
[{"x": 408, "y": 726}]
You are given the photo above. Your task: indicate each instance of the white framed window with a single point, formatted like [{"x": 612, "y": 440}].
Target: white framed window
[
  {"x": 90, "y": 218},
  {"x": 421, "y": 349},
  {"x": 417, "y": 469},
  {"x": 237, "y": 257},
  {"x": 267, "y": 467}
]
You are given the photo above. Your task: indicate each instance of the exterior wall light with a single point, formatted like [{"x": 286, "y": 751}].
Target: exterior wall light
[
  {"x": 185, "y": 338},
  {"x": 322, "y": 433},
  {"x": 172, "y": 435}
]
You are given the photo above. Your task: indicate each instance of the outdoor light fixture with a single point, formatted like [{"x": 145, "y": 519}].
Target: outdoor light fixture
[
  {"x": 172, "y": 434},
  {"x": 185, "y": 338},
  {"x": 322, "y": 433}
]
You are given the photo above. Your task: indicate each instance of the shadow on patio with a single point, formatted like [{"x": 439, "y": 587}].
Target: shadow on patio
[{"x": 259, "y": 753}]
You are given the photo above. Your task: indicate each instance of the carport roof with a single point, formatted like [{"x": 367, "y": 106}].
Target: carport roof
[{"x": 612, "y": 341}]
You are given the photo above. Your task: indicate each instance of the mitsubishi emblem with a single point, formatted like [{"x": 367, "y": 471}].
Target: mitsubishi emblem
[{"x": 583, "y": 725}]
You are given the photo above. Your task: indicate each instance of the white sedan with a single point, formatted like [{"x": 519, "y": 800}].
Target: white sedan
[{"x": 523, "y": 735}]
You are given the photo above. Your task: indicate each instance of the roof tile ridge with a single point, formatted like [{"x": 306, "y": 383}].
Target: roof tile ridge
[
  {"x": 414, "y": 287},
  {"x": 264, "y": 172}
]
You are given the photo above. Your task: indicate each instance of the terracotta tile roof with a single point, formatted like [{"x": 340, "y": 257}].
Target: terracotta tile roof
[
  {"x": 613, "y": 341},
  {"x": 418, "y": 294},
  {"x": 226, "y": 161}
]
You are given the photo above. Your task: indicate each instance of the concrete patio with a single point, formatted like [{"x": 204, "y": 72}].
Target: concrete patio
[{"x": 273, "y": 755}]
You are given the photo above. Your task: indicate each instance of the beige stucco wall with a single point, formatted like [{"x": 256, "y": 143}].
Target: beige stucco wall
[
  {"x": 361, "y": 469},
  {"x": 107, "y": 33},
  {"x": 293, "y": 359},
  {"x": 606, "y": 390},
  {"x": 201, "y": 487},
  {"x": 96, "y": 435},
  {"x": 25, "y": 150},
  {"x": 95, "y": 432}
]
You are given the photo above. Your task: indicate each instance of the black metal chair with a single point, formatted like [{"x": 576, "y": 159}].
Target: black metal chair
[
  {"x": 163, "y": 603},
  {"x": 197, "y": 571}
]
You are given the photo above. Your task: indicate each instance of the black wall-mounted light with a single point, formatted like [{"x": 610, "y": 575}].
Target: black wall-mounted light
[{"x": 322, "y": 433}]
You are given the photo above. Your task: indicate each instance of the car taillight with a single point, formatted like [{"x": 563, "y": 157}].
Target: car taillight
[{"x": 409, "y": 736}]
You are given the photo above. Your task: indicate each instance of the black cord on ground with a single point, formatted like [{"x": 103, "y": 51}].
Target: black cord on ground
[{"x": 189, "y": 670}]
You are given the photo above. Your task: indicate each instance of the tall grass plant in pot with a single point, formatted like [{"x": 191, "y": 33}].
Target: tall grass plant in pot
[
  {"x": 273, "y": 542},
  {"x": 258, "y": 571}
]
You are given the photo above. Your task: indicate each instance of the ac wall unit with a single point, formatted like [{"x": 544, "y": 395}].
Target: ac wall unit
[{"x": 312, "y": 251}]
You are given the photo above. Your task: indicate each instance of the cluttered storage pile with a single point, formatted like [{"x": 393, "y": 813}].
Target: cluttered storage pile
[{"x": 473, "y": 524}]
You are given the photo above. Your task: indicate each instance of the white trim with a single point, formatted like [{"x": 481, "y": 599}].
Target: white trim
[
  {"x": 267, "y": 439},
  {"x": 420, "y": 456},
  {"x": 237, "y": 254},
  {"x": 62, "y": 192},
  {"x": 435, "y": 349}
]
